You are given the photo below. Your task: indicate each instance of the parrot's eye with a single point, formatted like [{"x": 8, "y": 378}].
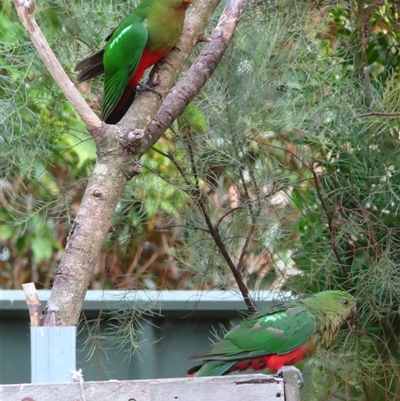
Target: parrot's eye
[{"x": 345, "y": 302}]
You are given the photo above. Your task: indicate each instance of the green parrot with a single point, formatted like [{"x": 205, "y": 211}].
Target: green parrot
[
  {"x": 279, "y": 336},
  {"x": 140, "y": 41}
]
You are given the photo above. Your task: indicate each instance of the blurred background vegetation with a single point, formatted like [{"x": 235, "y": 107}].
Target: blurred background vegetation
[{"x": 291, "y": 152}]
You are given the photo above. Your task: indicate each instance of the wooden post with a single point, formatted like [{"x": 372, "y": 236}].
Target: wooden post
[
  {"x": 34, "y": 305},
  {"x": 291, "y": 381},
  {"x": 53, "y": 349}
]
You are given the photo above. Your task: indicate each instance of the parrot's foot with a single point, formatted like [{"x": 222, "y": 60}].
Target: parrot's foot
[
  {"x": 286, "y": 371},
  {"x": 204, "y": 38},
  {"x": 148, "y": 88}
]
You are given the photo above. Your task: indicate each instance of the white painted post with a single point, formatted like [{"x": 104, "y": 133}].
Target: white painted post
[{"x": 53, "y": 354}]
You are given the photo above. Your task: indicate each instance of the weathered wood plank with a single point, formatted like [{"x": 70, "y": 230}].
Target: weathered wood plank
[
  {"x": 225, "y": 388},
  {"x": 292, "y": 378},
  {"x": 231, "y": 388}
]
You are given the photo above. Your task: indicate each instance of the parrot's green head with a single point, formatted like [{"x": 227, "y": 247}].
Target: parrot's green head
[{"x": 336, "y": 303}]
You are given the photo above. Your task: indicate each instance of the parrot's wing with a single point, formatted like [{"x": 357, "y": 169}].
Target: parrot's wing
[
  {"x": 275, "y": 331},
  {"x": 121, "y": 59},
  {"x": 93, "y": 65}
]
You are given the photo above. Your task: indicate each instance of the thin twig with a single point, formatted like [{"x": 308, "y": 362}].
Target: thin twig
[
  {"x": 148, "y": 263},
  {"x": 377, "y": 113},
  {"x": 301, "y": 161},
  {"x": 78, "y": 377},
  {"x": 225, "y": 215},
  {"x": 365, "y": 15},
  {"x": 218, "y": 240},
  {"x": 135, "y": 260},
  {"x": 330, "y": 215},
  {"x": 178, "y": 167},
  {"x": 192, "y": 162},
  {"x": 249, "y": 236},
  {"x": 196, "y": 195},
  {"x": 221, "y": 246}
]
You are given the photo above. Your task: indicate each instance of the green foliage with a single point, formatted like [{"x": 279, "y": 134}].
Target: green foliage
[
  {"x": 370, "y": 34},
  {"x": 277, "y": 152},
  {"x": 44, "y": 149}
]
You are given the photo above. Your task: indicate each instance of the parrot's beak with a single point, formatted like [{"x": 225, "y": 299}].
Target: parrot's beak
[{"x": 354, "y": 311}]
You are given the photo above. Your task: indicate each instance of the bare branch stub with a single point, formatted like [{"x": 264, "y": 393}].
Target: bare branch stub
[
  {"x": 131, "y": 140},
  {"x": 34, "y": 305}
]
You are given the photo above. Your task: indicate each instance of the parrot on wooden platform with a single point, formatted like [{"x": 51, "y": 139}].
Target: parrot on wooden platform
[
  {"x": 279, "y": 336},
  {"x": 144, "y": 37}
]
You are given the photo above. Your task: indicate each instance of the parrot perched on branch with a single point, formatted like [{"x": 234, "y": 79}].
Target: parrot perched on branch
[
  {"x": 140, "y": 41},
  {"x": 279, "y": 336}
]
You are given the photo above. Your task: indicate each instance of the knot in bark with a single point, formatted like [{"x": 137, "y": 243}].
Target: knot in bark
[
  {"x": 133, "y": 170},
  {"x": 29, "y": 5},
  {"x": 132, "y": 139}
]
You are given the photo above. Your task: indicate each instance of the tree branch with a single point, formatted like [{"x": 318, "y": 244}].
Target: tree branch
[
  {"x": 201, "y": 70},
  {"x": 25, "y": 10}
]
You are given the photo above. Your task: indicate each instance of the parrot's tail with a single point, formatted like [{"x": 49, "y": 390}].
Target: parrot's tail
[
  {"x": 192, "y": 371},
  {"x": 122, "y": 106},
  {"x": 211, "y": 368},
  {"x": 90, "y": 67}
]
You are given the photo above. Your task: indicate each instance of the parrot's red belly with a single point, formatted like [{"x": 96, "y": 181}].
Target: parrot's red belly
[
  {"x": 148, "y": 59},
  {"x": 272, "y": 362}
]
